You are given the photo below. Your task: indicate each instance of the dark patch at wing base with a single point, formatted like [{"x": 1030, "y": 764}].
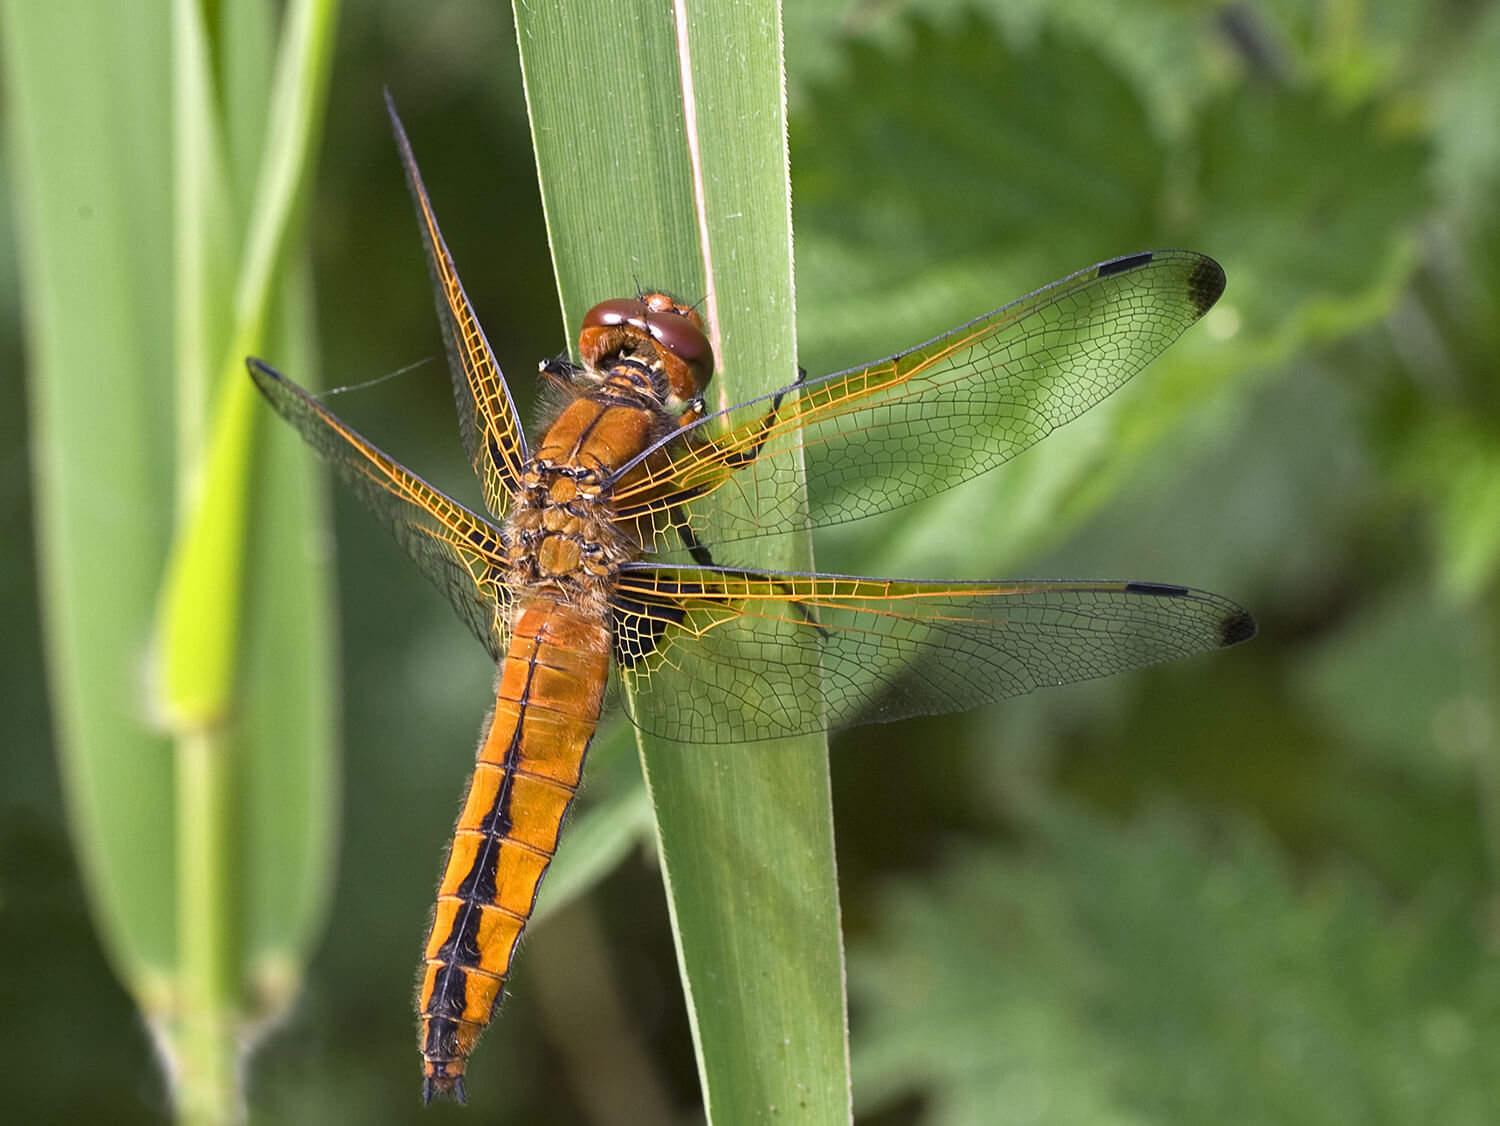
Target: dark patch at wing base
[{"x": 637, "y": 625}]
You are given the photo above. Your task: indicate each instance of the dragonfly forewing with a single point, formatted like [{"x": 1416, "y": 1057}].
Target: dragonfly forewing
[{"x": 881, "y": 436}]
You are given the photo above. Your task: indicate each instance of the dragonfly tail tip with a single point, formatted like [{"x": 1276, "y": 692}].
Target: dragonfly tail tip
[{"x": 444, "y": 1087}]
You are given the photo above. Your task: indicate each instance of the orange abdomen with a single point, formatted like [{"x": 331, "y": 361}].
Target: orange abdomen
[{"x": 549, "y": 692}]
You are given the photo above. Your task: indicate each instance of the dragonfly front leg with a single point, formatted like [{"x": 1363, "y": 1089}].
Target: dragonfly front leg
[
  {"x": 739, "y": 458},
  {"x": 733, "y": 460},
  {"x": 695, "y": 467}
]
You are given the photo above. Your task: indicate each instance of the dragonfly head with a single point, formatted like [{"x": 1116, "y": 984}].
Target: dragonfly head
[{"x": 655, "y": 328}]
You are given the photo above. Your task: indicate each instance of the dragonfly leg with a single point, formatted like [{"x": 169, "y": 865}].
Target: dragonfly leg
[
  {"x": 718, "y": 453},
  {"x": 744, "y": 457},
  {"x": 559, "y": 371}
]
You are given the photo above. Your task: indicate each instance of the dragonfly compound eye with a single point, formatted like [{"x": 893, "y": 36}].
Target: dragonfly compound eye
[{"x": 676, "y": 331}]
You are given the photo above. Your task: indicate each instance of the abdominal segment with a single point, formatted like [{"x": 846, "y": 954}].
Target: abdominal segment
[{"x": 549, "y": 693}]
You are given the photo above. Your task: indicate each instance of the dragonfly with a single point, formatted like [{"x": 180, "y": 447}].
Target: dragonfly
[{"x": 607, "y": 553}]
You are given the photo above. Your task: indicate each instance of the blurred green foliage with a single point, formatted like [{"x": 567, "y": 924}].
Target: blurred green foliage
[
  {"x": 1258, "y": 887},
  {"x": 1155, "y": 972}
]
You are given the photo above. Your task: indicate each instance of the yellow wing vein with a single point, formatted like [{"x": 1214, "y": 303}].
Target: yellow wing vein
[{"x": 491, "y": 429}]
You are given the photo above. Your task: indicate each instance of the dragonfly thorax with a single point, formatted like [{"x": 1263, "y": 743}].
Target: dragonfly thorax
[{"x": 563, "y": 533}]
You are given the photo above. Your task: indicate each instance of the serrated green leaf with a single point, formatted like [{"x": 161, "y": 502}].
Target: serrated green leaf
[
  {"x": 1316, "y": 253},
  {"x": 938, "y": 179},
  {"x": 1144, "y": 974},
  {"x": 928, "y": 178}
]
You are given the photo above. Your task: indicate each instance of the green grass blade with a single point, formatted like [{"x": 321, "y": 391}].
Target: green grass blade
[
  {"x": 87, "y": 95},
  {"x": 200, "y": 627},
  {"x": 206, "y": 859},
  {"x": 644, "y": 186}
]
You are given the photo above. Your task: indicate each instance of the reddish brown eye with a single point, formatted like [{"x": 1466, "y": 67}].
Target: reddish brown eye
[
  {"x": 677, "y": 330},
  {"x": 620, "y": 311},
  {"x": 685, "y": 340}
]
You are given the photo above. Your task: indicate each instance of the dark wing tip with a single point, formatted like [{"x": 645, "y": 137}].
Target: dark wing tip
[
  {"x": 263, "y": 373},
  {"x": 1205, "y": 281},
  {"x": 1237, "y": 626},
  {"x": 1205, "y": 284}
]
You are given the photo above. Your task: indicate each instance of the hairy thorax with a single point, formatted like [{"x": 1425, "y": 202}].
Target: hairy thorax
[{"x": 563, "y": 536}]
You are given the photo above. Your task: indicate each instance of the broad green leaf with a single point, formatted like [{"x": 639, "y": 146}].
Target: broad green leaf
[
  {"x": 941, "y": 178},
  {"x": 1008, "y": 160}
]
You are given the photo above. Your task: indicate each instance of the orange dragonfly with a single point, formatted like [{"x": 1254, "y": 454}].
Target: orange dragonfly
[{"x": 598, "y": 557}]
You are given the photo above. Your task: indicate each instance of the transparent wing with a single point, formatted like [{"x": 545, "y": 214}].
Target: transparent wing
[
  {"x": 487, "y": 418},
  {"x": 460, "y": 552},
  {"x": 715, "y": 655},
  {"x": 922, "y": 421}
]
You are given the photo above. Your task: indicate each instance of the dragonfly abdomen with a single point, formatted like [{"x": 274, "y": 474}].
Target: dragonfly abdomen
[{"x": 549, "y": 691}]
